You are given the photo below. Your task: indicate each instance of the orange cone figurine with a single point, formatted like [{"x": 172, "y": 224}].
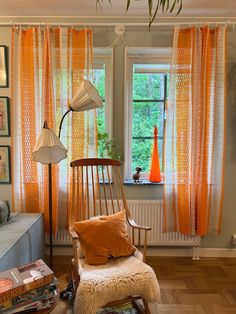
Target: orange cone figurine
[{"x": 155, "y": 174}]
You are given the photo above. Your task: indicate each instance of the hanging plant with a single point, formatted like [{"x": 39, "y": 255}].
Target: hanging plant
[{"x": 166, "y": 6}]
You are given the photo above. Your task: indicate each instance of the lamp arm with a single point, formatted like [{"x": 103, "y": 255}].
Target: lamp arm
[{"x": 63, "y": 117}]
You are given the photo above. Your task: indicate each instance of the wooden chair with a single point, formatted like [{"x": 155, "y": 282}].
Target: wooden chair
[{"x": 98, "y": 190}]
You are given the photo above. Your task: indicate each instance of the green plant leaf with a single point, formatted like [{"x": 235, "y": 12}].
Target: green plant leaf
[
  {"x": 150, "y": 8},
  {"x": 99, "y": 4},
  {"x": 154, "y": 15},
  {"x": 127, "y": 5},
  {"x": 167, "y": 6},
  {"x": 162, "y": 4},
  {"x": 180, "y": 7},
  {"x": 173, "y": 6}
]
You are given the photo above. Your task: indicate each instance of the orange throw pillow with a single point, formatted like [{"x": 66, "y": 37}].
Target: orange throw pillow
[{"x": 104, "y": 238}]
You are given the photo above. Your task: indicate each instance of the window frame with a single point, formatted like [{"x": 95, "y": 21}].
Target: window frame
[
  {"x": 105, "y": 56},
  {"x": 137, "y": 56}
]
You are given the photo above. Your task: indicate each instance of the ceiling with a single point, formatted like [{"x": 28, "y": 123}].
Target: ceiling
[{"x": 138, "y": 8}]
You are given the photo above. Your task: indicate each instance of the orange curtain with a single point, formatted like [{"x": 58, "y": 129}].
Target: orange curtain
[
  {"x": 195, "y": 132},
  {"x": 47, "y": 67}
]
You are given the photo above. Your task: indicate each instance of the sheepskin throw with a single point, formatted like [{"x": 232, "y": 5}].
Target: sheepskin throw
[{"x": 117, "y": 279}]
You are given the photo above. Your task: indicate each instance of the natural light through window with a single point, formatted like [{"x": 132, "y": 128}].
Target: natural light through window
[
  {"x": 147, "y": 85},
  {"x": 102, "y": 79}
]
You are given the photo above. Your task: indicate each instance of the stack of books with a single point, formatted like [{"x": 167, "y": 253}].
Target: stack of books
[{"x": 27, "y": 288}]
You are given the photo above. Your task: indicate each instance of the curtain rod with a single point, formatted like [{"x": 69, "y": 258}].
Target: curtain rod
[{"x": 197, "y": 23}]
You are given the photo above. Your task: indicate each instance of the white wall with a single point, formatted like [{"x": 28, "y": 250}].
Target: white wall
[{"x": 5, "y": 39}]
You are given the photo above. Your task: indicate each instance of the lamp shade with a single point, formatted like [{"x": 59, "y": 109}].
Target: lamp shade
[
  {"x": 48, "y": 148},
  {"x": 86, "y": 98}
]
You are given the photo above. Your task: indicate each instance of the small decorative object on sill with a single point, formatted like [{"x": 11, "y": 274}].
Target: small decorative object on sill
[
  {"x": 137, "y": 175},
  {"x": 155, "y": 174}
]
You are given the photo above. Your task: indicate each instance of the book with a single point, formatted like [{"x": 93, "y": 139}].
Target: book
[
  {"x": 17, "y": 281},
  {"x": 38, "y": 305},
  {"x": 27, "y": 298}
]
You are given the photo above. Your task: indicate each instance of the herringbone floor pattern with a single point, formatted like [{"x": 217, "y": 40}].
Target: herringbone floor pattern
[
  {"x": 207, "y": 286},
  {"x": 187, "y": 286}
]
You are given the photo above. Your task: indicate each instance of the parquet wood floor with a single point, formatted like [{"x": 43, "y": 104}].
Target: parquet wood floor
[{"x": 207, "y": 286}]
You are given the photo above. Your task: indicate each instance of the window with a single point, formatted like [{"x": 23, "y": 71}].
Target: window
[
  {"x": 147, "y": 81},
  {"x": 102, "y": 79}
]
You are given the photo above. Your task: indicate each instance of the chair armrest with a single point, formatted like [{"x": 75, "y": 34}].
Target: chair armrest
[
  {"x": 133, "y": 224},
  {"x": 73, "y": 234},
  {"x": 75, "y": 265}
]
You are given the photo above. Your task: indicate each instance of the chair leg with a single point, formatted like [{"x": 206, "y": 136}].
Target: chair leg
[
  {"x": 75, "y": 278},
  {"x": 146, "y": 308},
  {"x": 70, "y": 291},
  {"x": 74, "y": 271},
  {"x": 140, "y": 309}
]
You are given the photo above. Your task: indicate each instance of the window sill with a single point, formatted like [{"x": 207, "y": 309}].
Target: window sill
[{"x": 141, "y": 182}]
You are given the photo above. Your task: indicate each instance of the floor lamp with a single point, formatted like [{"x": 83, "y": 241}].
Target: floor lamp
[{"x": 49, "y": 149}]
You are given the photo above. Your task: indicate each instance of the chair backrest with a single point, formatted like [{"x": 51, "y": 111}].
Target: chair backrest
[{"x": 97, "y": 188}]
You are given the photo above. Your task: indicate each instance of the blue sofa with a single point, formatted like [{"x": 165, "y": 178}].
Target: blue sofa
[{"x": 21, "y": 240}]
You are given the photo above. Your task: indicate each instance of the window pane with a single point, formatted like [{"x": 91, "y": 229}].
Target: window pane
[
  {"x": 145, "y": 116},
  {"x": 99, "y": 80},
  {"x": 99, "y": 83},
  {"x": 101, "y": 119},
  {"x": 142, "y": 153},
  {"x": 150, "y": 82},
  {"x": 148, "y": 86}
]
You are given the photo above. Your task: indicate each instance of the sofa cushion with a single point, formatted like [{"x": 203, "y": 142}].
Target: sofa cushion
[{"x": 4, "y": 212}]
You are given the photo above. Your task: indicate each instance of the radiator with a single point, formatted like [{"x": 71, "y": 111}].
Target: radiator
[
  {"x": 147, "y": 213},
  {"x": 150, "y": 213}
]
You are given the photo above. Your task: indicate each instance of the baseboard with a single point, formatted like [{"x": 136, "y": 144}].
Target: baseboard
[
  {"x": 217, "y": 252},
  {"x": 162, "y": 251},
  {"x": 188, "y": 251}
]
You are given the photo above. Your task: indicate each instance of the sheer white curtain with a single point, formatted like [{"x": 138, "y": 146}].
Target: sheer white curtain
[
  {"x": 47, "y": 67},
  {"x": 195, "y": 131}
]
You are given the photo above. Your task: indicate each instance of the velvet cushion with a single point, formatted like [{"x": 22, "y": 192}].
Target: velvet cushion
[{"x": 104, "y": 237}]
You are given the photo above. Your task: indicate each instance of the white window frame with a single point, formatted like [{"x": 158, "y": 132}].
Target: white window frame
[
  {"x": 105, "y": 56},
  {"x": 135, "y": 56}
]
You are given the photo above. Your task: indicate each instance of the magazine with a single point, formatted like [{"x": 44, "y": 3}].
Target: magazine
[
  {"x": 28, "y": 298},
  {"x": 39, "y": 305},
  {"x": 19, "y": 280}
]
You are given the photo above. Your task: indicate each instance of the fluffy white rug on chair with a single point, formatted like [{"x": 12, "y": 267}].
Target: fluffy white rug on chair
[{"x": 117, "y": 279}]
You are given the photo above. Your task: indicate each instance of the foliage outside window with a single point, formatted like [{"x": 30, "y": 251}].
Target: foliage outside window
[
  {"x": 99, "y": 83},
  {"x": 148, "y": 110},
  {"x": 102, "y": 80}
]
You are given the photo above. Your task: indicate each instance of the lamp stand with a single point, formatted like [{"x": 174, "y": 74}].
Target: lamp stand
[
  {"x": 50, "y": 213},
  {"x": 63, "y": 117},
  {"x": 45, "y": 125}
]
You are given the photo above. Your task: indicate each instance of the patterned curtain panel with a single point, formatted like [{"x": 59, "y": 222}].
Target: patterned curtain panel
[
  {"x": 47, "y": 68},
  {"x": 195, "y": 131}
]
